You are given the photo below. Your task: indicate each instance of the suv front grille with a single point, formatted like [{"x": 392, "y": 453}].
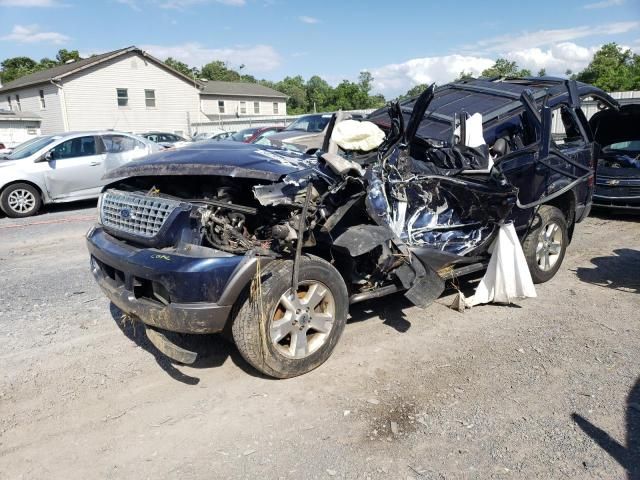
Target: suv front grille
[{"x": 135, "y": 214}]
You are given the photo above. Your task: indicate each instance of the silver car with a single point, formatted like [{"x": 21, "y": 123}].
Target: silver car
[{"x": 64, "y": 168}]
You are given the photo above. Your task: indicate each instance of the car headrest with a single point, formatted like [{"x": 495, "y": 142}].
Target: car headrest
[{"x": 500, "y": 147}]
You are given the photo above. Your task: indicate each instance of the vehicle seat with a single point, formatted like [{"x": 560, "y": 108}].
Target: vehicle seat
[{"x": 500, "y": 147}]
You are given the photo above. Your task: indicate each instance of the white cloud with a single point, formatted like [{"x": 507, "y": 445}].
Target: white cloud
[
  {"x": 543, "y": 38},
  {"x": 306, "y": 19},
  {"x": 257, "y": 58},
  {"x": 396, "y": 78},
  {"x": 555, "y": 60},
  {"x": 183, "y": 4},
  {"x": 30, "y": 3},
  {"x": 32, "y": 34},
  {"x": 604, "y": 4}
]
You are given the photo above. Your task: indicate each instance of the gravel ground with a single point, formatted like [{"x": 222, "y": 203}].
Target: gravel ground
[{"x": 548, "y": 388}]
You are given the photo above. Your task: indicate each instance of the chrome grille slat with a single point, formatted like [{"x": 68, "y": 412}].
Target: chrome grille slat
[{"x": 147, "y": 215}]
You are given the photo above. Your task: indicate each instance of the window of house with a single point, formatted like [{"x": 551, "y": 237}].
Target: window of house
[
  {"x": 256, "y": 107},
  {"x": 275, "y": 107},
  {"x": 9, "y": 102},
  {"x": 18, "y": 107},
  {"x": 42, "y": 103},
  {"x": 565, "y": 126},
  {"x": 221, "y": 106},
  {"x": 76, "y": 147},
  {"x": 150, "y": 98},
  {"x": 123, "y": 97},
  {"x": 243, "y": 107}
]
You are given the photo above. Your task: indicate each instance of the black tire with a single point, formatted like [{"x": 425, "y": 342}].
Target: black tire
[
  {"x": 546, "y": 216},
  {"x": 252, "y": 335},
  {"x": 29, "y": 192}
]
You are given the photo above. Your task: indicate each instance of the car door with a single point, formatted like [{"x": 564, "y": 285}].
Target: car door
[{"x": 76, "y": 167}]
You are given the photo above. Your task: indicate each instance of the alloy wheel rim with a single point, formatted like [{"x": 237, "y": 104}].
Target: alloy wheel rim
[
  {"x": 21, "y": 200},
  {"x": 549, "y": 246},
  {"x": 301, "y": 322}
]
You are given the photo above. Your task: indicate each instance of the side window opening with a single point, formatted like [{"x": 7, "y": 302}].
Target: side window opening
[
  {"x": 76, "y": 147},
  {"x": 565, "y": 128}
]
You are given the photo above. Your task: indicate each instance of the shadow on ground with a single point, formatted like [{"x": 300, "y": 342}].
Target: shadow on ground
[
  {"x": 628, "y": 456},
  {"x": 389, "y": 309},
  {"x": 617, "y": 271},
  {"x": 615, "y": 214},
  {"x": 212, "y": 350}
]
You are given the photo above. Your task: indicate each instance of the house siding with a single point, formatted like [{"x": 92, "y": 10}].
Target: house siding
[
  {"x": 30, "y": 102},
  {"x": 91, "y": 99},
  {"x": 209, "y": 105}
]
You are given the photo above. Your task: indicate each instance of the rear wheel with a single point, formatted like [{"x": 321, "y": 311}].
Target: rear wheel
[
  {"x": 283, "y": 333},
  {"x": 545, "y": 245},
  {"x": 20, "y": 200}
]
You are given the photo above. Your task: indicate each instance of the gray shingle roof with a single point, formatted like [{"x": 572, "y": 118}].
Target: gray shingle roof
[
  {"x": 240, "y": 89},
  {"x": 69, "y": 68}
]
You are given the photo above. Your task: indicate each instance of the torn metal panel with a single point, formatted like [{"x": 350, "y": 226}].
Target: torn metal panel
[{"x": 361, "y": 239}]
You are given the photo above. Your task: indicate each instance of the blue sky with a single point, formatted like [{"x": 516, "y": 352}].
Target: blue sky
[{"x": 402, "y": 43}]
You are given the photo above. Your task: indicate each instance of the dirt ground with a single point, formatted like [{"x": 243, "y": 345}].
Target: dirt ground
[{"x": 548, "y": 388}]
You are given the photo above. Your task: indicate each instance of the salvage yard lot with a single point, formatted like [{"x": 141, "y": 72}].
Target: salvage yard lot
[{"x": 499, "y": 391}]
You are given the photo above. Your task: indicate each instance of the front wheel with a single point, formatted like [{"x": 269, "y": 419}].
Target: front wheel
[
  {"x": 283, "y": 333},
  {"x": 546, "y": 243},
  {"x": 20, "y": 200}
]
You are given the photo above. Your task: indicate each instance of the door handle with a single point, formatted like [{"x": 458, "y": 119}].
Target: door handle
[{"x": 93, "y": 164}]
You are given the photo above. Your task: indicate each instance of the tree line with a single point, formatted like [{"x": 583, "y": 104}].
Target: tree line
[{"x": 612, "y": 68}]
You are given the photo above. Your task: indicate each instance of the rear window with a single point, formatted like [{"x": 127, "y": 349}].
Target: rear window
[{"x": 121, "y": 143}]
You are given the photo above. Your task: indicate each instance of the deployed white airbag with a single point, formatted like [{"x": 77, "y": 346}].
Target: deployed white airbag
[{"x": 354, "y": 135}]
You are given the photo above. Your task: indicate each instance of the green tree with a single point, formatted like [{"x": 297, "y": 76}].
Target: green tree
[
  {"x": 463, "y": 75},
  {"x": 181, "y": 67},
  {"x": 415, "y": 91},
  {"x": 319, "y": 94},
  {"x": 16, "y": 67},
  {"x": 294, "y": 88},
  {"x": 612, "y": 69},
  {"x": 542, "y": 72},
  {"x": 218, "y": 70},
  {"x": 505, "y": 68},
  {"x": 65, "y": 55},
  {"x": 47, "y": 63}
]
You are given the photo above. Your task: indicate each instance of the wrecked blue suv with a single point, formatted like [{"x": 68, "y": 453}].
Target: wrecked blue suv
[{"x": 273, "y": 246}]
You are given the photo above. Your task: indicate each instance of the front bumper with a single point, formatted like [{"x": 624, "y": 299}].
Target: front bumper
[
  {"x": 169, "y": 289},
  {"x": 623, "y": 193}
]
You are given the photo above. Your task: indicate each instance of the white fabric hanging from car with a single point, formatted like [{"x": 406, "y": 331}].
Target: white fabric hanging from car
[{"x": 507, "y": 277}]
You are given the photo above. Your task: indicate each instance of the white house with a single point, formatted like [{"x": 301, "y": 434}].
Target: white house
[
  {"x": 221, "y": 100},
  {"x": 18, "y": 127},
  {"x": 130, "y": 90}
]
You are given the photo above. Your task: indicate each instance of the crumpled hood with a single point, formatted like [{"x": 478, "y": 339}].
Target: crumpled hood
[{"x": 218, "y": 158}]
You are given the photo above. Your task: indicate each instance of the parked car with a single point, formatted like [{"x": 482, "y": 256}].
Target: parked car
[
  {"x": 249, "y": 135},
  {"x": 215, "y": 136},
  {"x": 64, "y": 168},
  {"x": 306, "y": 134},
  {"x": 618, "y": 172},
  {"x": 166, "y": 140},
  {"x": 262, "y": 132},
  {"x": 274, "y": 245}
]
